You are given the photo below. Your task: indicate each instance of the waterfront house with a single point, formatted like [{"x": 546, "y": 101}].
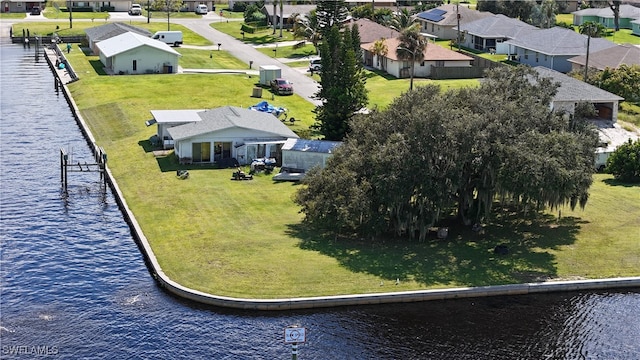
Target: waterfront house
[
  {"x": 107, "y": 31},
  {"x": 227, "y": 133},
  {"x": 552, "y": 47},
  {"x": 131, "y": 53},
  {"x": 573, "y": 91}
]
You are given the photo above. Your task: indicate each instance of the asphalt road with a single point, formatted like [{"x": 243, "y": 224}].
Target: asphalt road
[{"x": 303, "y": 85}]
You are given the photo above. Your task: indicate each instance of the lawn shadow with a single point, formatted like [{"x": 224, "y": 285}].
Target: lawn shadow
[
  {"x": 465, "y": 258},
  {"x": 98, "y": 67},
  {"x": 375, "y": 73},
  {"x": 616, "y": 182}
]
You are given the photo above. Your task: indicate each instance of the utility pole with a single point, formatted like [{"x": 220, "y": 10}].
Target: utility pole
[
  {"x": 274, "y": 17},
  {"x": 586, "y": 63},
  {"x": 458, "y": 18},
  {"x": 70, "y": 14}
]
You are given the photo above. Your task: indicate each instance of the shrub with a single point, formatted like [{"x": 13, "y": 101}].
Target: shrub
[{"x": 624, "y": 163}]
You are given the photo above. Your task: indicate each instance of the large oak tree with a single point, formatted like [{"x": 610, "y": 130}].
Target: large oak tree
[{"x": 432, "y": 154}]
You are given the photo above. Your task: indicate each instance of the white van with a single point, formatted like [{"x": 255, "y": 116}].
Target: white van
[
  {"x": 169, "y": 37},
  {"x": 202, "y": 9}
]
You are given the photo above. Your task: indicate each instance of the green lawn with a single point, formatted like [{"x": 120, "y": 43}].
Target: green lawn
[
  {"x": 62, "y": 28},
  {"x": 262, "y": 36},
  {"x": 51, "y": 12},
  {"x": 209, "y": 59},
  {"x": 7, "y": 16},
  {"x": 383, "y": 88},
  {"x": 290, "y": 52},
  {"x": 224, "y": 237}
]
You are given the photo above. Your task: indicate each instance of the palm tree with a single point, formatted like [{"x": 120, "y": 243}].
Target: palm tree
[
  {"x": 412, "y": 47},
  {"x": 591, "y": 29},
  {"x": 402, "y": 20},
  {"x": 307, "y": 27},
  {"x": 379, "y": 49}
]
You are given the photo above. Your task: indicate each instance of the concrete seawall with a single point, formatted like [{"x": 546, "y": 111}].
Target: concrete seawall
[{"x": 325, "y": 301}]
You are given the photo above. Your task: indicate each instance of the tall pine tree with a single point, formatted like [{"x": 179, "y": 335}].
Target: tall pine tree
[
  {"x": 330, "y": 13},
  {"x": 343, "y": 91}
]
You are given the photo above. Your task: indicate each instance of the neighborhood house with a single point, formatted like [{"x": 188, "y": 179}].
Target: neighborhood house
[
  {"x": 573, "y": 91},
  {"x": 441, "y": 22},
  {"x": 553, "y": 47},
  {"x": 434, "y": 57}
]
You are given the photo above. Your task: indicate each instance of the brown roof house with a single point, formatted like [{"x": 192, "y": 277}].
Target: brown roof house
[
  {"x": 370, "y": 31},
  {"x": 434, "y": 56}
]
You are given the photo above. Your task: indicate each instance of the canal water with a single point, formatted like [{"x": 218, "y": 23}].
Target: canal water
[{"x": 73, "y": 284}]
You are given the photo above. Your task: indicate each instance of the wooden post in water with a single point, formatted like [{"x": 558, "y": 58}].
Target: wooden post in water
[{"x": 64, "y": 159}]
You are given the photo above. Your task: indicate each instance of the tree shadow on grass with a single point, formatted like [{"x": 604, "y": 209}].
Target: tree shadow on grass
[
  {"x": 616, "y": 182},
  {"x": 465, "y": 258}
]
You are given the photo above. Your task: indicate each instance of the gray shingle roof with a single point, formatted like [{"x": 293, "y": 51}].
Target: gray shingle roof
[
  {"x": 228, "y": 117},
  {"x": 450, "y": 18},
  {"x": 626, "y": 12},
  {"x": 496, "y": 26},
  {"x": 110, "y": 30},
  {"x": 558, "y": 41},
  {"x": 611, "y": 57},
  {"x": 575, "y": 90}
]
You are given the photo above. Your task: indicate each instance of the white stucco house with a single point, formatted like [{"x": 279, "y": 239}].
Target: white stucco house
[
  {"x": 131, "y": 53},
  {"x": 226, "y": 133},
  {"x": 434, "y": 56}
]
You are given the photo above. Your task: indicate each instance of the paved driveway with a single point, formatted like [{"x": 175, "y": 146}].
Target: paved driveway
[{"x": 303, "y": 85}]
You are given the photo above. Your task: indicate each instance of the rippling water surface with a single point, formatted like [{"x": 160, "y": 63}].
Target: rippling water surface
[{"x": 74, "y": 285}]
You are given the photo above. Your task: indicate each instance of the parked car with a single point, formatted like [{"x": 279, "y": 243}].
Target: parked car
[
  {"x": 202, "y": 9},
  {"x": 36, "y": 10},
  {"x": 135, "y": 9},
  {"x": 315, "y": 65},
  {"x": 281, "y": 86}
]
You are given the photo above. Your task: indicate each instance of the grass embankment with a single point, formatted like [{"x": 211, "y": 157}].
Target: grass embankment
[{"x": 245, "y": 238}]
